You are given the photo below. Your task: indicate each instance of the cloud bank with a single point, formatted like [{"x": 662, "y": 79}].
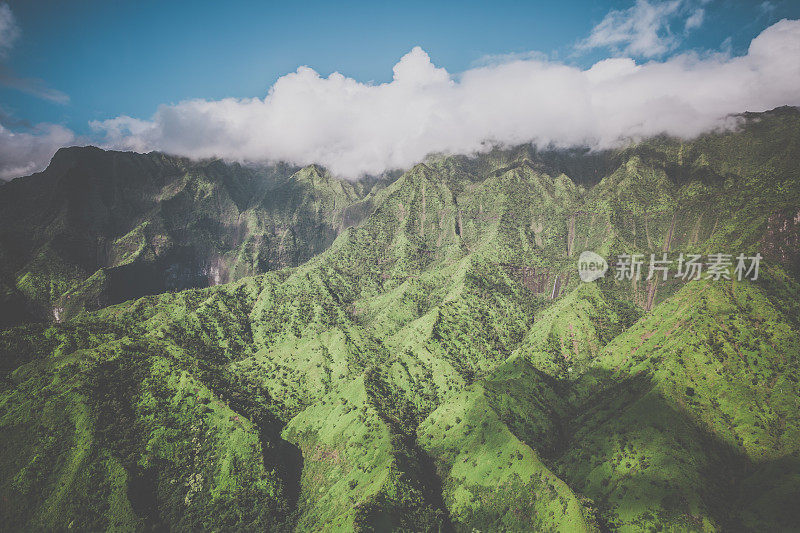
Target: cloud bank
[
  {"x": 358, "y": 128},
  {"x": 355, "y": 128}
]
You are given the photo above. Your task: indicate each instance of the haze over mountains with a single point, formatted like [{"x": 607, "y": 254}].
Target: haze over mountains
[{"x": 414, "y": 352}]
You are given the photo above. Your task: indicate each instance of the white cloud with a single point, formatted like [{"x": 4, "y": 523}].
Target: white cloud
[
  {"x": 496, "y": 59},
  {"x": 24, "y": 153},
  {"x": 355, "y": 128},
  {"x": 695, "y": 20},
  {"x": 644, "y": 29},
  {"x": 9, "y": 31}
]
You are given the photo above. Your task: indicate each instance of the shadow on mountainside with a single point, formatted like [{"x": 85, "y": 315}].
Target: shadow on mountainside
[{"x": 646, "y": 463}]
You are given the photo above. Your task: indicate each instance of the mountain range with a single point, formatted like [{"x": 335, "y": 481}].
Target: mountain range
[{"x": 208, "y": 345}]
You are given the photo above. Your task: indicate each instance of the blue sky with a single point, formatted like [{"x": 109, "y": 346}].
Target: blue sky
[{"x": 66, "y": 64}]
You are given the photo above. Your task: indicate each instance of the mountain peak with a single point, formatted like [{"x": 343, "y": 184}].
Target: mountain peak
[{"x": 70, "y": 155}]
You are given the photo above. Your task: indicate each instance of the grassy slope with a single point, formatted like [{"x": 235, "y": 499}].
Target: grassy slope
[
  {"x": 101, "y": 436},
  {"x": 709, "y": 404}
]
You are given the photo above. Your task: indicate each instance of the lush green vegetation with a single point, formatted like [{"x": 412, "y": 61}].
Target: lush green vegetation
[
  {"x": 98, "y": 228},
  {"x": 439, "y": 366}
]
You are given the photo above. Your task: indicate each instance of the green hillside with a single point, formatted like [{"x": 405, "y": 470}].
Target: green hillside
[
  {"x": 419, "y": 355},
  {"x": 97, "y": 228}
]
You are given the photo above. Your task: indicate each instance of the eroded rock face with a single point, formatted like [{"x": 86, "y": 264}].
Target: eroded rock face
[
  {"x": 538, "y": 281},
  {"x": 781, "y": 239}
]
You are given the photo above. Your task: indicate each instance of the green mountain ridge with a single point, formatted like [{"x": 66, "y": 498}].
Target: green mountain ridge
[
  {"x": 439, "y": 365},
  {"x": 97, "y": 228}
]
